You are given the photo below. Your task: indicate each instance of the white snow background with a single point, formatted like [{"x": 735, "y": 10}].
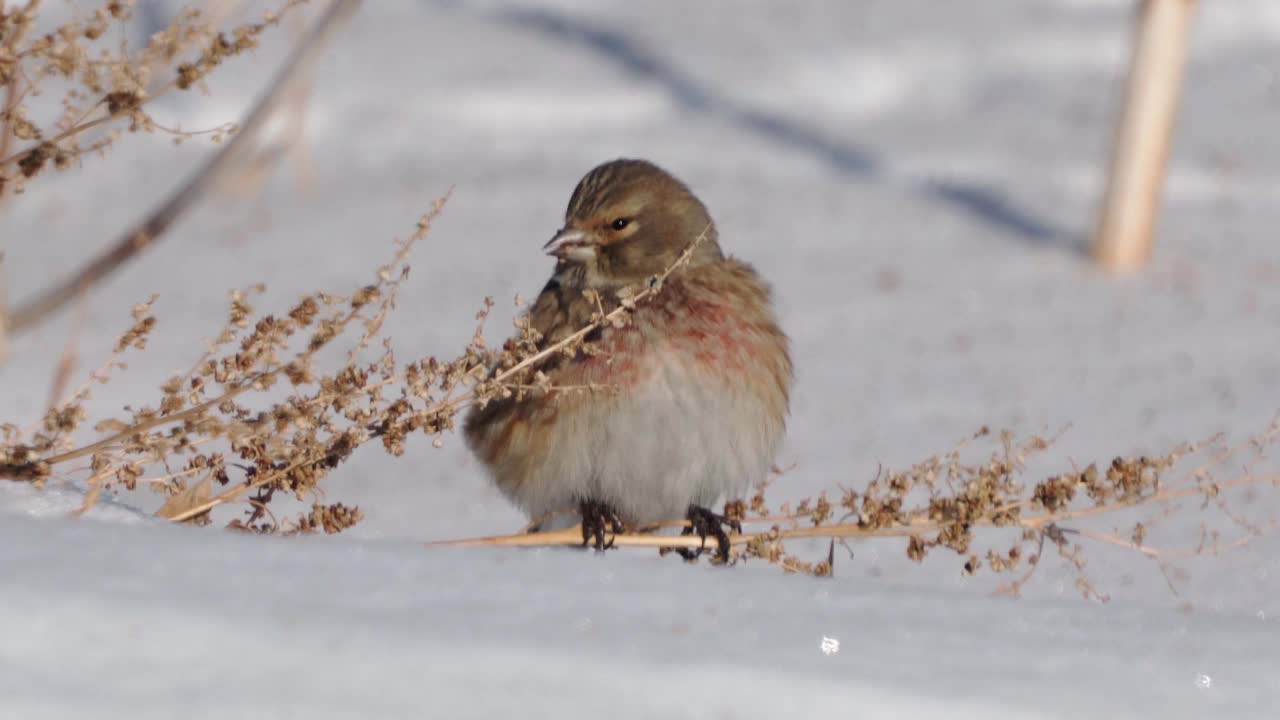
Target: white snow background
[{"x": 916, "y": 178}]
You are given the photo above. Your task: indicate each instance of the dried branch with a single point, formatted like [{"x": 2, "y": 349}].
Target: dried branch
[
  {"x": 975, "y": 496},
  {"x": 148, "y": 232},
  {"x": 12, "y": 96}
]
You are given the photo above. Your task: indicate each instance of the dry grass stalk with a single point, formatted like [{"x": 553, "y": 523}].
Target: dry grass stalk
[
  {"x": 943, "y": 501},
  {"x": 1144, "y": 135},
  {"x": 107, "y": 84},
  {"x": 148, "y": 232},
  {"x": 289, "y": 445}
]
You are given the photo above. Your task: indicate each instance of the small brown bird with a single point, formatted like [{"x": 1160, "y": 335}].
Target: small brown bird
[{"x": 699, "y": 379}]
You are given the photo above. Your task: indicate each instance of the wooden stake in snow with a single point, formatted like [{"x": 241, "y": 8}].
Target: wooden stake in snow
[{"x": 1145, "y": 133}]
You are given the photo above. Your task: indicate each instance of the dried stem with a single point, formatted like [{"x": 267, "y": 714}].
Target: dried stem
[
  {"x": 148, "y": 232},
  {"x": 1039, "y": 516}
]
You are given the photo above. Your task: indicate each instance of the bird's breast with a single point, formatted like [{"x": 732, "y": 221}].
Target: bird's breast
[{"x": 696, "y": 337}]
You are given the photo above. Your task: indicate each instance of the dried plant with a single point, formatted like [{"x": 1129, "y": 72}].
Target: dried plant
[
  {"x": 203, "y": 406},
  {"x": 944, "y": 502},
  {"x": 287, "y": 445},
  {"x": 105, "y": 86},
  {"x": 283, "y": 91}
]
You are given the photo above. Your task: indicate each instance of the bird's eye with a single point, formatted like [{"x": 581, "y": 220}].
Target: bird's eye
[{"x": 620, "y": 223}]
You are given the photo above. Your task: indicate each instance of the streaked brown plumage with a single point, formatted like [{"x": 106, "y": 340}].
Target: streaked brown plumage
[{"x": 702, "y": 373}]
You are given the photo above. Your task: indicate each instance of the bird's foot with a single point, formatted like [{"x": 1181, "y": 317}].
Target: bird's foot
[
  {"x": 596, "y": 518},
  {"x": 707, "y": 523}
]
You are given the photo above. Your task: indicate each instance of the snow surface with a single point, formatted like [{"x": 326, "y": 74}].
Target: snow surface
[{"x": 916, "y": 178}]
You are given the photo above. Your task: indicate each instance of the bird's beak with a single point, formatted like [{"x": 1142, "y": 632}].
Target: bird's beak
[{"x": 571, "y": 244}]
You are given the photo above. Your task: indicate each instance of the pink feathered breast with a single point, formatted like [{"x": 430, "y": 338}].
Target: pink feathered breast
[{"x": 704, "y": 333}]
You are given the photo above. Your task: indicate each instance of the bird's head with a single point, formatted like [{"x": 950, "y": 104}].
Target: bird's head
[{"x": 629, "y": 220}]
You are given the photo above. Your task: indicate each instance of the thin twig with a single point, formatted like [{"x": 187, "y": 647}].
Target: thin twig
[
  {"x": 12, "y": 100},
  {"x": 573, "y": 536},
  {"x": 144, "y": 235},
  {"x": 1165, "y": 553},
  {"x": 141, "y": 427},
  {"x": 235, "y": 492},
  {"x": 213, "y": 15},
  {"x": 66, "y": 361}
]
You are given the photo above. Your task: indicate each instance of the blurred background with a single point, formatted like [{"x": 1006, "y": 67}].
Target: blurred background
[{"x": 918, "y": 180}]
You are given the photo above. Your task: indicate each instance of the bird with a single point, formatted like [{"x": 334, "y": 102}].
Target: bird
[{"x": 685, "y": 403}]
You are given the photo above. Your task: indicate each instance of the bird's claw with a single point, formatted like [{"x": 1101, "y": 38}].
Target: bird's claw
[
  {"x": 596, "y": 517},
  {"x": 705, "y": 523}
]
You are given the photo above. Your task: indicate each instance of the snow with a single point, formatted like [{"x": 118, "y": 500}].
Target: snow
[
  {"x": 106, "y": 620},
  {"x": 916, "y": 178}
]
